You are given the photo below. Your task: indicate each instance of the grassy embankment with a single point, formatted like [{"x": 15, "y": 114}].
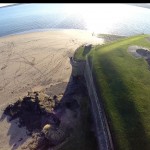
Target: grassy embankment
[
  {"x": 79, "y": 53},
  {"x": 123, "y": 83},
  {"x": 109, "y": 37}
]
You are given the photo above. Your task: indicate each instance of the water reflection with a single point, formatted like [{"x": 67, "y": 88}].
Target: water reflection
[{"x": 119, "y": 19}]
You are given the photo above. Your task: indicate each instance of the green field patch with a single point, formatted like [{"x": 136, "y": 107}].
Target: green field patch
[
  {"x": 123, "y": 83},
  {"x": 82, "y": 51}
]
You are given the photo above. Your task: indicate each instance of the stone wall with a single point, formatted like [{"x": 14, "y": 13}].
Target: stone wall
[
  {"x": 102, "y": 132},
  {"x": 77, "y": 67}
]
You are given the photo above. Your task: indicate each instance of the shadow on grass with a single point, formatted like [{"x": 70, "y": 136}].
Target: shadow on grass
[
  {"x": 86, "y": 50},
  {"x": 123, "y": 103}
]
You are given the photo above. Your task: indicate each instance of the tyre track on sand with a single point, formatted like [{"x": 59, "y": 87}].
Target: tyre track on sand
[{"x": 55, "y": 69}]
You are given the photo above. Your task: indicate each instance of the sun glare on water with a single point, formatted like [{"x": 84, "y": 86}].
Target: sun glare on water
[{"x": 99, "y": 17}]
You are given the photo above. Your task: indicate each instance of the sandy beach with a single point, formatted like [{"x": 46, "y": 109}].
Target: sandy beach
[{"x": 34, "y": 62}]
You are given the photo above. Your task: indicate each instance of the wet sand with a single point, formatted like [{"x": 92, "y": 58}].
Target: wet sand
[{"x": 34, "y": 62}]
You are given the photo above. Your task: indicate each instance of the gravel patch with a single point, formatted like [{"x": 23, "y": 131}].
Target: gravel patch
[
  {"x": 139, "y": 52},
  {"x": 133, "y": 52}
]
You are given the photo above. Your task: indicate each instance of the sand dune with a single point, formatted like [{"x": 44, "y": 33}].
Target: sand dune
[{"x": 35, "y": 61}]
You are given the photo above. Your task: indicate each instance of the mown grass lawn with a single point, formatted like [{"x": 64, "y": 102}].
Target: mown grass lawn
[{"x": 123, "y": 83}]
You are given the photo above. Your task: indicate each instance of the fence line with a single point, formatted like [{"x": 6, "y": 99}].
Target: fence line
[{"x": 102, "y": 130}]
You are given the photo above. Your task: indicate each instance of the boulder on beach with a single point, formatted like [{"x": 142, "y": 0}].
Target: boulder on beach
[{"x": 56, "y": 135}]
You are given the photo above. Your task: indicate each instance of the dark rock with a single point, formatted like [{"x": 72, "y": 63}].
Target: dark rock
[
  {"x": 31, "y": 111},
  {"x": 54, "y": 97},
  {"x": 72, "y": 104},
  {"x": 20, "y": 139}
]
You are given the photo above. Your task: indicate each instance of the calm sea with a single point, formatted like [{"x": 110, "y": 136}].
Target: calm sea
[{"x": 120, "y": 19}]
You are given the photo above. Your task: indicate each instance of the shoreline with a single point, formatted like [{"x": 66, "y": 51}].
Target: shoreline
[
  {"x": 42, "y": 30},
  {"x": 103, "y": 35}
]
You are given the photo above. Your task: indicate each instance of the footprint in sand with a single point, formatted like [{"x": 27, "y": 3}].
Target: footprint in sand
[{"x": 4, "y": 67}]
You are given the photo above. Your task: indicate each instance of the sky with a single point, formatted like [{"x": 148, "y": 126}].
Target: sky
[{"x": 7, "y": 4}]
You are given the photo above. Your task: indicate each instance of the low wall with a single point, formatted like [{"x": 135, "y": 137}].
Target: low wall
[
  {"x": 102, "y": 132},
  {"x": 100, "y": 121},
  {"x": 77, "y": 67}
]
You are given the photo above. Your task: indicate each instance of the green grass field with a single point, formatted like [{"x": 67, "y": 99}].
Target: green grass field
[
  {"x": 79, "y": 53},
  {"x": 123, "y": 83}
]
